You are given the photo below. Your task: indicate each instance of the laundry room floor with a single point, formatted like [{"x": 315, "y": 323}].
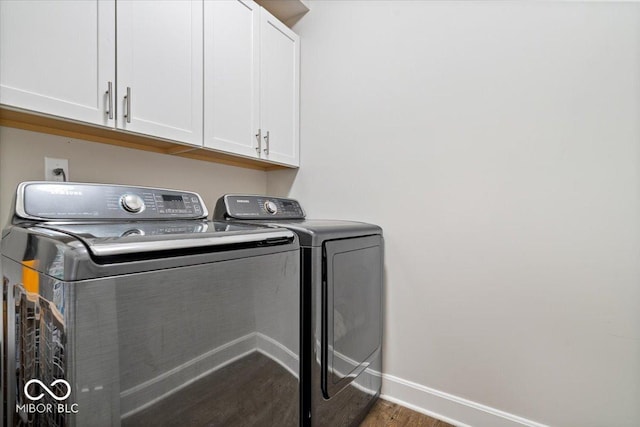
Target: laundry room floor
[
  {"x": 253, "y": 390},
  {"x": 387, "y": 414}
]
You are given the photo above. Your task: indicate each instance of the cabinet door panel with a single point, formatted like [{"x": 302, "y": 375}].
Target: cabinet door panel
[
  {"x": 160, "y": 60},
  {"x": 58, "y": 57},
  {"x": 231, "y": 77},
  {"x": 279, "y": 89}
]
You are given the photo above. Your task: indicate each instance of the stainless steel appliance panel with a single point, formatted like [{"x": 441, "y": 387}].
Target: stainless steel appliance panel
[
  {"x": 353, "y": 307},
  {"x": 348, "y": 406},
  {"x": 89, "y": 201},
  {"x": 341, "y": 280},
  {"x": 127, "y": 344}
]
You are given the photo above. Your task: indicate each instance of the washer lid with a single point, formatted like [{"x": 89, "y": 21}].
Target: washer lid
[{"x": 109, "y": 240}]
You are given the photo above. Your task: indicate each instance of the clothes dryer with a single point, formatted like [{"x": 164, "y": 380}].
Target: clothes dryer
[{"x": 341, "y": 306}]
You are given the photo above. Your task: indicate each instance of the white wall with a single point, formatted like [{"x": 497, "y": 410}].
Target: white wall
[
  {"x": 22, "y": 156},
  {"x": 498, "y": 145}
]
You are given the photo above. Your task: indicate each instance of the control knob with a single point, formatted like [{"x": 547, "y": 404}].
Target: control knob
[
  {"x": 271, "y": 207},
  {"x": 132, "y": 203}
]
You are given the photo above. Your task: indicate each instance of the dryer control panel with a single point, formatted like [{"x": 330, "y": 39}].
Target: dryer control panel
[
  {"x": 257, "y": 207},
  {"x": 84, "y": 201}
]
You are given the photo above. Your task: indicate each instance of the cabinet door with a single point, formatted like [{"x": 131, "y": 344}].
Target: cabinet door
[
  {"x": 279, "y": 90},
  {"x": 231, "y": 76},
  {"x": 160, "y": 68},
  {"x": 58, "y": 57}
]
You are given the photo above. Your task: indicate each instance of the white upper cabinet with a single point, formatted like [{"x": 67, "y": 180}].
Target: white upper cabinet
[
  {"x": 231, "y": 76},
  {"x": 223, "y": 74},
  {"x": 58, "y": 58},
  {"x": 279, "y": 90},
  {"x": 251, "y": 82},
  {"x": 160, "y": 68}
]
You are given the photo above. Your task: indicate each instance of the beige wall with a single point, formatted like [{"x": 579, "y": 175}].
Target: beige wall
[
  {"x": 22, "y": 156},
  {"x": 498, "y": 145}
]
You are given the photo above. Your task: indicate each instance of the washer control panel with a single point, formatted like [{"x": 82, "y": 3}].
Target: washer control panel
[
  {"x": 258, "y": 207},
  {"x": 62, "y": 201}
]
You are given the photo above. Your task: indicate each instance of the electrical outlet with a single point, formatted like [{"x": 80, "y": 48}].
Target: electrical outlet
[{"x": 50, "y": 164}]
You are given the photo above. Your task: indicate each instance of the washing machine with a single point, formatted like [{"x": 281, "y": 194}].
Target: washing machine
[
  {"x": 123, "y": 305},
  {"x": 341, "y": 304}
]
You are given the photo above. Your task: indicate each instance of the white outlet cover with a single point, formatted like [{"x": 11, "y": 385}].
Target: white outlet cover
[{"x": 50, "y": 164}]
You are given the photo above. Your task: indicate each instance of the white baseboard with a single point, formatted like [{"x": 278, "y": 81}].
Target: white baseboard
[{"x": 446, "y": 407}]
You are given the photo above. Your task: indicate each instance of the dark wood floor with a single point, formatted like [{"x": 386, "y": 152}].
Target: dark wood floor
[
  {"x": 387, "y": 414},
  {"x": 256, "y": 391},
  {"x": 253, "y": 391}
]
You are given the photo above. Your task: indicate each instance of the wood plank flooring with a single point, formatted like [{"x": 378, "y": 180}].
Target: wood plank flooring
[
  {"x": 255, "y": 391},
  {"x": 387, "y": 414}
]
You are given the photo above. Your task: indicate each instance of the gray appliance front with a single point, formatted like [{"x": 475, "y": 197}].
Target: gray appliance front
[
  {"x": 346, "y": 292},
  {"x": 211, "y": 344}
]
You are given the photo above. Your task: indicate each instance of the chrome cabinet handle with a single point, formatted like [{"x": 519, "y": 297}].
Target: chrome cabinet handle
[
  {"x": 127, "y": 101},
  {"x": 259, "y": 138},
  {"x": 266, "y": 139},
  {"x": 109, "y": 93}
]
